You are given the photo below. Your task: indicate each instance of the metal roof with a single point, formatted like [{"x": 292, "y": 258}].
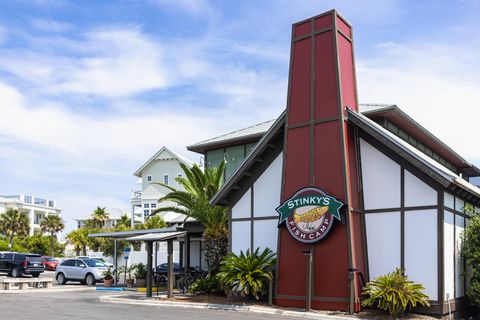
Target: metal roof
[
  {"x": 130, "y": 233},
  {"x": 437, "y": 171},
  {"x": 157, "y": 236},
  {"x": 258, "y": 130},
  {"x": 250, "y": 132}
]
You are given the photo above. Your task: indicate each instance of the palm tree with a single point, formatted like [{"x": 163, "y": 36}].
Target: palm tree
[
  {"x": 99, "y": 216},
  {"x": 125, "y": 221},
  {"x": 52, "y": 224},
  {"x": 200, "y": 186},
  {"x": 13, "y": 222},
  {"x": 79, "y": 239}
]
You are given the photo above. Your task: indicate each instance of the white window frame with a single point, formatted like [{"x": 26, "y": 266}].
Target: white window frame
[
  {"x": 168, "y": 179},
  {"x": 153, "y": 205},
  {"x": 146, "y": 205}
]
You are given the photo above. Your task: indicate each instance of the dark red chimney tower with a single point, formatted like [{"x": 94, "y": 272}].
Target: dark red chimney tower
[{"x": 320, "y": 151}]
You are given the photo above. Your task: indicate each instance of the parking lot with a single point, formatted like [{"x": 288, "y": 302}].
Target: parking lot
[{"x": 83, "y": 304}]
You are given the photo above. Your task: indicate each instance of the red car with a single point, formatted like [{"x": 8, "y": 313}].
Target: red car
[{"x": 50, "y": 263}]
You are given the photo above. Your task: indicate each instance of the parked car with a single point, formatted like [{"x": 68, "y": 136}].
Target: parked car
[
  {"x": 85, "y": 271},
  {"x": 163, "y": 268},
  {"x": 18, "y": 264},
  {"x": 96, "y": 258},
  {"x": 50, "y": 263}
]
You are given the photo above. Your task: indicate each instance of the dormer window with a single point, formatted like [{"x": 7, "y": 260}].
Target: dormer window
[{"x": 149, "y": 178}]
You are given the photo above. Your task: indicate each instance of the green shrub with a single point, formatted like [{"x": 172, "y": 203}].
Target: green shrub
[
  {"x": 140, "y": 271},
  {"x": 209, "y": 285},
  {"x": 394, "y": 293},
  {"x": 247, "y": 274},
  {"x": 471, "y": 252}
]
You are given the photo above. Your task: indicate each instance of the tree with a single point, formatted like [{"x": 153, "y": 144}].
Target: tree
[
  {"x": 12, "y": 223},
  {"x": 154, "y": 222},
  {"x": 125, "y": 221},
  {"x": 52, "y": 224},
  {"x": 99, "y": 216},
  {"x": 200, "y": 186},
  {"x": 471, "y": 252},
  {"x": 79, "y": 239}
]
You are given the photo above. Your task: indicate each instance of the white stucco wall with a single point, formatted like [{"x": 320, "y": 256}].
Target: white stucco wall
[{"x": 381, "y": 178}]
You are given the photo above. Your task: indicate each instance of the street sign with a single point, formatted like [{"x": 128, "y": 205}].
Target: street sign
[
  {"x": 127, "y": 249},
  {"x": 126, "y": 257}
]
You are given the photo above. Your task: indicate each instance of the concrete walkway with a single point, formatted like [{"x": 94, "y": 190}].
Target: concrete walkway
[{"x": 141, "y": 300}]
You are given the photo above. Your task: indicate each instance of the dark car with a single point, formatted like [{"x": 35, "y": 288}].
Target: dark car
[
  {"x": 18, "y": 264},
  {"x": 163, "y": 268}
]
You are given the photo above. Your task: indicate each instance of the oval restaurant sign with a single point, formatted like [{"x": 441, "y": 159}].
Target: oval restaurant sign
[{"x": 309, "y": 214}]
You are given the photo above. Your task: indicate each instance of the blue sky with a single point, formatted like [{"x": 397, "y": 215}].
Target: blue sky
[{"x": 91, "y": 89}]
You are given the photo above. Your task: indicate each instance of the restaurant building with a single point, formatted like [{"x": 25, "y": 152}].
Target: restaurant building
[{"x": 344, "y": 192}]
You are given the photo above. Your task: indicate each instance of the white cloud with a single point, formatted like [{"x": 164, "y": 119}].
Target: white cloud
[{"x": 436, "y": 84}]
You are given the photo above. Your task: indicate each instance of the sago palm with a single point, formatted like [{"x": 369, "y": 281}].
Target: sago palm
[
  {"x": 248, "y": 273},
  {"x": 52, "y": 224},
  {"x": 14, "y": 223},
  {"x": 200, "y": 186}
]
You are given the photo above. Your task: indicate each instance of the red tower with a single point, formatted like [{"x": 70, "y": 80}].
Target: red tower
[{"x": 320, "y": 151}]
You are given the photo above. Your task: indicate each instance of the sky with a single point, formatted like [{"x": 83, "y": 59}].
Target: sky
[{"x": 89, "y": 90}]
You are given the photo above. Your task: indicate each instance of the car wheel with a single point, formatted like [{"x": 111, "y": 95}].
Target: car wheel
[
  {"x": 14, "y": 273},
  {"x": 35, "y": 275},
  {"x": 61, "y": 279},
  {"x": 90, "y": 280}
]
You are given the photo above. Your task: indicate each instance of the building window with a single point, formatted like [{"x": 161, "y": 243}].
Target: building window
[
  {"x": 153, "y": 205},
  {"x": 146, "y": 205},
  {"x": 146, "y": 213},
  {"x": 149, "y": 178},
  {"x": 179, "y": 176},
  {"x": 165, "y": 179},
  {"x": 51, "y": 203},
  {"x": 27, "y": 199}
]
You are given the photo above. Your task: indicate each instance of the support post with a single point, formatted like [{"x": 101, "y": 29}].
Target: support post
[
  {"x": 309, "y": 279},
  {"x": 149, "y": 268},
  {"x": 187, "y": 253},
  {"x": 156, "y": 254},
  {"x": 115, "y": 260},
  {"x": 170, "y": 274}
]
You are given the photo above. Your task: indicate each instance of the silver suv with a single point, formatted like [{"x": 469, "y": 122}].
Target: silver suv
[{"x": 86, "y": 271}]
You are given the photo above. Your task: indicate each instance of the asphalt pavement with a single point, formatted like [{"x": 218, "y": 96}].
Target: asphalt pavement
[{"x": 86, "y": 305}]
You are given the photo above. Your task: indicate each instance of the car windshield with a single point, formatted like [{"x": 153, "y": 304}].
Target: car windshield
[
  {"x": 94, "y": 263},
  {"x": 50, "y": 259}
]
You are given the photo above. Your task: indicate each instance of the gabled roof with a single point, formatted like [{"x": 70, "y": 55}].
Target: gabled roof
[
  {"x": 255, "y": 157},
  {"x": 406, "y": 123},
  {"x": 244, "y": 135},
  {"x": 173, "y": 155},
  {"x": 432, "y": 168}
]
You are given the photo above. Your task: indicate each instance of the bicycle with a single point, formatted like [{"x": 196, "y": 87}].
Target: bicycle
[{"x": 184, "y": 282}]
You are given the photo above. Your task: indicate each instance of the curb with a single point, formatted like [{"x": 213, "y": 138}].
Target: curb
[
  {"x": 44, "y": 290},
  {"x": 225, "y": 307}
]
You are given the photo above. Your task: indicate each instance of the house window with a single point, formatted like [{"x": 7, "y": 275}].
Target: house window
[
  {"x": 165, "y": 179},
  {"x": 153, "y": 205},
  {"x": 149, "y": 178},
  {"x": 146, "y": 205},
  {"x": 179, "y": 176},
  {"x": 28, "y": 199},
  {"x": 146, "y": 213}
]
